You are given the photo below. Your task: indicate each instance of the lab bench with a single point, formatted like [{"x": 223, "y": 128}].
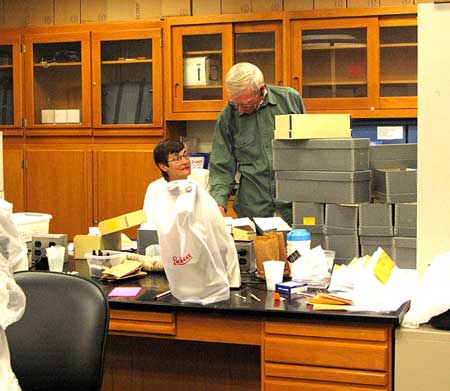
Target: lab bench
[{"x": 243, "y": 343}]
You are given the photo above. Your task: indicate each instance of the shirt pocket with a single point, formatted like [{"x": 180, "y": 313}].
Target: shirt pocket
[{"x": 247, "y": 148}]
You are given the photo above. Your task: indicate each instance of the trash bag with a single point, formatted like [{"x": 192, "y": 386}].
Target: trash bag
[{"x": 198, "y": 255}]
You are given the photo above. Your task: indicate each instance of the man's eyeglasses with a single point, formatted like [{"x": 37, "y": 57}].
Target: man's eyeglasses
[
  {"x": 256, "y": 101},
  {"x": 177, "y": 157}
]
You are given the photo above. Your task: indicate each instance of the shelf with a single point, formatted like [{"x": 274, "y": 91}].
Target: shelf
[
  {"x": 266, "y": 50},
  {"x": 336, "y": 83},
  {"x": 398, "y": 45},
  {"x": 57, "y": 64},
  {"x": 127, "y": 61},
  {"x": 399, "y": 81},
  {"x": 333, "y": 47},
  {"x": 8, "y": 66},
  {"x": 209, "y": 86},
  {"x": 194, "y": 53}
]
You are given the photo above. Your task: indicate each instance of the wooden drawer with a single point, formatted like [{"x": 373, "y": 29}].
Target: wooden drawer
[
  {"x": 333, "y": 346},
  {"x": 288, "y": 385},
  {"x": 141, "y": 323}
]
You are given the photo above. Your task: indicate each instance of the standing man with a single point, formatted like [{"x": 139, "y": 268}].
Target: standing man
[{"x": 242, "y": 143}]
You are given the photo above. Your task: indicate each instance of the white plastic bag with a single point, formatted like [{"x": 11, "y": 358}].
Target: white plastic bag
[
  {"x": 198, "y": 255},
  {"x": 432, "y": 295},
  {"x": 12, "y": 298}
]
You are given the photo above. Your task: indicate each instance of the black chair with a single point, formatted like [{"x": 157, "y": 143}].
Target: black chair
[{"x": 59, "y": 343}]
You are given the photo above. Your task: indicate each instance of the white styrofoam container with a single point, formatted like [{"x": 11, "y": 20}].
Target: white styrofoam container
[{"x": 31, "y": 223}]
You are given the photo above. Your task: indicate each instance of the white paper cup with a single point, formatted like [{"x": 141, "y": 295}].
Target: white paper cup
[
  {"x": 55, "y": 256},
  {"x": 273, "y": 271}
]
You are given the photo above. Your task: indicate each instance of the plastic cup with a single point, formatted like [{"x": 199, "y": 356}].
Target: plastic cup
[
  {"x": 55, "y": 256},
  {"x": 273, "y": 271},
  {"x": 329, "y": 255}
]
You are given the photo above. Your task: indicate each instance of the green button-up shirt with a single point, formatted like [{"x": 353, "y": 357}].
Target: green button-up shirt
[{"x": 243, "y": 143}]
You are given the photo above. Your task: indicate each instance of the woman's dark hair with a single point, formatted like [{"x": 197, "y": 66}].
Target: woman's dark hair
[{"x": 163, "y": 150}]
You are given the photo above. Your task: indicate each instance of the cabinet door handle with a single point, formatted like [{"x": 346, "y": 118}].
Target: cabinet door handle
[
  {"x": 94, "y": 83},
  {"x": 175, "y": 90}
]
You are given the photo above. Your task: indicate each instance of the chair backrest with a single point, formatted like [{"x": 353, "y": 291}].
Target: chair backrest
[{"x": 59, "y": 343}]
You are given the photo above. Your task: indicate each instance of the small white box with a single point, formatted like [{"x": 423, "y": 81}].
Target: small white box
[
  {"x": 60, "y": 116},
  {"x": 48, "y": 116},
  {"x": 201, "y": 71},
  {"x": 73, "y": 116}
]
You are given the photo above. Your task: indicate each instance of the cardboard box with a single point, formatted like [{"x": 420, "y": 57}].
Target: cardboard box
[
  {"x": 390, "y": 3},
  {"x": 201, "y": 71},
  {"x": 236, "y": 6},
  {"x": 60, "y": 116},
  {"x": 325, "y": 4},
  {"x": 93, "y": 10},
  {"x": 73, "y": 116},
  {"x": 121, "y": 10},
  {"x": 39, "y": 12},
  {"x": 175, "y": 7},
  {"x": 298, "y": 5},
  {"x": 148, "y": 9},
  {"x": 267, "y": 5},
  {"x": 306, "y": 126},
  {"x": 14, "y": 14},
  {"x": 206, "y": 7},
  {"x": 67, "y": 11},
  {"x": 2, "y": 14},
  {"x": 363, "y": 3},
  {"x": 48, "y": 116}
]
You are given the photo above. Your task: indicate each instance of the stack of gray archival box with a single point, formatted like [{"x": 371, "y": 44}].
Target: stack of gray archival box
[
  {"x": 324, "y": 171},
  {"x": 351, "y": 217}
]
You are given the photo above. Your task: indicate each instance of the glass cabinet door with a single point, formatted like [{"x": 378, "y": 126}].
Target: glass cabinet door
[
  {"x": 127, "y": 78},
  {"x": 10, "y": 75},
  {"x": 331, "y": 65},
  {"x": 200, "y": 55},
  {"x": 398, "y": 62},
  {"x": 58, "y": 75},
  {"x": 260, "y": 44}
]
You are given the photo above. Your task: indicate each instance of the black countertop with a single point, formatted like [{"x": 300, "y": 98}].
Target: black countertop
[{"x": 295, "y": 307}]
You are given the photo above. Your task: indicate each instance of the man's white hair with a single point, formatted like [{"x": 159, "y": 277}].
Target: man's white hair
[{"x": 241, "y": 76}]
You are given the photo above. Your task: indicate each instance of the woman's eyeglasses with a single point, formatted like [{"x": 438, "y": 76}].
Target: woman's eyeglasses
[{"x": 178, "y": 157}]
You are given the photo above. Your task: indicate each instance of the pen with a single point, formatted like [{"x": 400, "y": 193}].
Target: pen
[
  {"x": 255, "y": 297},
  {"x": 242, "y": 297},
  {"x": 158, "y": 296}
]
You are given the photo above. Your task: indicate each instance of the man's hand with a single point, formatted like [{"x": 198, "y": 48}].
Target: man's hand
[{"x": 222, "y": 210}]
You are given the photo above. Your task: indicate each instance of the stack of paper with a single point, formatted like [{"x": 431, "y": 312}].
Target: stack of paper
[
  {"x": 312, "y": 268},
  {"x": 126, "y": 269}
]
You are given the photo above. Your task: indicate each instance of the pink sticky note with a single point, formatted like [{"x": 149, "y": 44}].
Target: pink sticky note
[{"x": 125, "y": 291}]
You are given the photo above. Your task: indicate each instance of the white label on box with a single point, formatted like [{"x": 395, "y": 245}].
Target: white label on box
[
  {"x": 60, "y": 116},
  {"x": 389, "y": 132}
]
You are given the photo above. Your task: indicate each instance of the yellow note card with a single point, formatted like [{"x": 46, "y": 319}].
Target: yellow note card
[
  {"x": 309, "y": 220},
  {"x": 384, "y": 267}
]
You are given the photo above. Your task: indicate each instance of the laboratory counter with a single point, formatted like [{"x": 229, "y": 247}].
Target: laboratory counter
[{"x": 243, "y": 343}]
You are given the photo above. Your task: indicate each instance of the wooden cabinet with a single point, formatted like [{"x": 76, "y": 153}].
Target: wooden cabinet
[
  {"x": 363, "y": 62},
  {"x": 121, "y": 177},
  {"x": 13, "y": 176},
  {"x": 201, "y": 52},
  {"x": 333, "y": 356},
  {"x": 59, "y": 182},
  {"x": 58, "y": 80},
  {"x": 10, "y": 83},
  {"x": 127, "y": 78}
]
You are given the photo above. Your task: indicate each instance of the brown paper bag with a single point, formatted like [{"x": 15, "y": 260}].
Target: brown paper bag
[{"x": 267, "y": 247}]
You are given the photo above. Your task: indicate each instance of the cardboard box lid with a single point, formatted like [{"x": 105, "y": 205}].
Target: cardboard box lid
[
  {"x": 122, "y": 222},
  {"x": 322, "y": 143}
]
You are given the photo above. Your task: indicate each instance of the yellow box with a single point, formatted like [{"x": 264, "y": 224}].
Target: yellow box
[
  {"x": 175, "y": 7},
  {"x": 148, "y": 9},
  {"x": 39, "y": 12},
  {"x": 122, "y": 222},
  {"x": 306, "y": 126},
  {"x": 243, "y": 233},
  {"x": 363, "y": 3},
  {"x": 325, "y": 4},
  {"x": 298, "y": 5},
  {"x": 85, "y": 244},
  {"x": 206, "y": 7},
  {"x": 67, "y": 11},
  {"x": 267, "y": 5},
  {"x": 236, "y": 6}
]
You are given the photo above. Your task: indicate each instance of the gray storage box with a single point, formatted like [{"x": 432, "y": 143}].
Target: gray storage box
[
  {"x": 345, "y": 246},
  {"x": 375, "y": 220},
  {"x": 370, "y": 244},
  {"x": 323, "y": 186},
  {"x": 308, "y": 215},
  {"x": 393, "y": 156},
  {"x": 405, "y": 220},
  {"x": 395, "y": 185},
  {"x": 145, "y": 238},
  {"x": 321, "y": 154},
  {"x": 341, "y": 219},
  {"x": 405, "y": 252}
]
